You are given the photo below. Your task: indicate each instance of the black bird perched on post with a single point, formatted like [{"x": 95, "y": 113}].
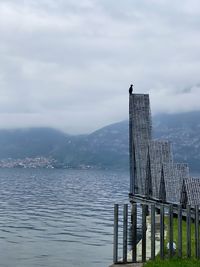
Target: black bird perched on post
[{"x": 131, "y": 89}]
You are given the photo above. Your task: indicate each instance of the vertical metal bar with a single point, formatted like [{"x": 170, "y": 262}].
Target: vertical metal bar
[
  {"x": 153, "y": 232},
  {"x": 171, "y": 231},
  {"x": 162, "y": 232},
  {"x": 125, "y": 227},
  {"x": 144, "y": 228},
  {"x": 134, "y": 232},
  {"x": 180, "y": 231},
  {"x": 197, "y": 231},
  {"x": 188, "y": 227},
  {"x": 115, "y": 246}
]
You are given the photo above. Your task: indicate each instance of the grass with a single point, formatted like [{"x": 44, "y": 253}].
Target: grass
[
  {"x": 173, "y": 263},
  {"x": 184, "y": 237},
  {"x": 176, "y": 262}
]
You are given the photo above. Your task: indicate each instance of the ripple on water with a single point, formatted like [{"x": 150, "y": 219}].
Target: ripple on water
[{"x": 53, "y": 217}]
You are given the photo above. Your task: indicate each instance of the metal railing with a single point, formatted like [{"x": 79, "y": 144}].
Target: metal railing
[{"x": 160, "y": 222}]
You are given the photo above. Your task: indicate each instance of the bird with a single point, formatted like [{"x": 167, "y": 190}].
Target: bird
[{"x": 131, "y": 89}]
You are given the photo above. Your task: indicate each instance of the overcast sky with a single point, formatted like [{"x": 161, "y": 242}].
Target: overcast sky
[{"x": 68, "y": 64}]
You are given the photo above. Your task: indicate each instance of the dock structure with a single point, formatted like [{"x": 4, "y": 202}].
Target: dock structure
[
  {"x": 181, "y": 172},
  {"x": 190, "y": 192},
  {"x": 160, "y": 157},
  {"x": 163, "y": 188},
  {"x": 153, "y": 172},
  {"x": 140, "y": 129},
  {"x": 156, "y": 228}
]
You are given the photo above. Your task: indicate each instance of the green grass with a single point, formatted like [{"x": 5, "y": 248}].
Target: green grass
[
  {"x": 176, "y": 262},
  {"x": 184, "y": 236},
  {"x": 173, "y": 263}
]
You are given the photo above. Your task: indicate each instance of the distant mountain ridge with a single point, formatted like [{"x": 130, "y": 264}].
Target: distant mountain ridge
[
  {"x": 183, "y": 130},
  {"x": 106, "y": 147}
]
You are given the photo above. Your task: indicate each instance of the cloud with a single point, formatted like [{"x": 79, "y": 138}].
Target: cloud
[
  {"x": 68, "y": 64},
  {"x": 176, "y": 101}
]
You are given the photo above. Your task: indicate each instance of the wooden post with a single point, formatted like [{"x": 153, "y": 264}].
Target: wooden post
[
  {"x": 153, "y": 232},
  {"x": 188, "y": 226},
  {"x": 171, "y": 231},
  {"x": 125, "y": 227},
  {"x": 162, "y": 232},
  {"x": 144, "y": 228},
  {"x": 197, "y": 231},
  {"x": 131, "y": 148},
  {"x": 115, "y": 246},
  {"x": 180, "y": 231},
  {"x": 134, "y": 232}
]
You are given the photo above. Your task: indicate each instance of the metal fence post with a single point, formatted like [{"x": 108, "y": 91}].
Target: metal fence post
[
  {"x": 115, "y": 245},
  {"x": 180, "y": 231},
  {"x": 152, "y": 232},
  {"x": 125, "y": 227},
  {"x": 162, "y": 232},
  {"x": 188, "y": 226},
  {"x": 134, "y": 232},
  {"x": 171, "y": 230},
  {"x": 197, "y": 231},
  {"x": 144, "y": 228}
]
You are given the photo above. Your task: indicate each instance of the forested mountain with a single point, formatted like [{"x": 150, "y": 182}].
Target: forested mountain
[{"x": 106, "y": 147}]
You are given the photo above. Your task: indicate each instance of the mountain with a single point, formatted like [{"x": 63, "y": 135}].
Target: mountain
[
  {"x": 21, "y": 143},
  {"x": 106, "y": 147},
  {"x": 183, "y": 130}
]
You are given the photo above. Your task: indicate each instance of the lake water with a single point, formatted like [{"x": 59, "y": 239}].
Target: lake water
[{"x": 58, "y": 218}]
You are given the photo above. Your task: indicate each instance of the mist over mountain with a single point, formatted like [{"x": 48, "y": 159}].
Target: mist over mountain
[{"x": 104, "y": 148}]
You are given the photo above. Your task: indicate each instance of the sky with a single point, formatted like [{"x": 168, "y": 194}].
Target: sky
[{"x": 68, "y": 64}]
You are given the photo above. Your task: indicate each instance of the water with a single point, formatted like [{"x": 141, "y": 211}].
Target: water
[{"x": 58, "y": 218}]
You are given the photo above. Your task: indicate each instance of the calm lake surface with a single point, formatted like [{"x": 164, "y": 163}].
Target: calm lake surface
[{"x": 58, "y": 218}]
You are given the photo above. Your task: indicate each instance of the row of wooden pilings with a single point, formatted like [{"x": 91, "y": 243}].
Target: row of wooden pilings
[{"x": 129, "y": 225}]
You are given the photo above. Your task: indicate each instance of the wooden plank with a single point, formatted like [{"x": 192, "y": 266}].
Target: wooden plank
[
  {"x": 115, "y": 245},
  {"x": 162, "y": 232},
  {"x": 153, "y": 227},
  {"x": 134, "y": 232},
  {"x": 171, "y": 231},
  {"x": 197, "y": 231},
  {"x": 188, "y": 229},
  {"x": 144, "y": 228},
  {"x": 125, "y": 227},
  {"x": 180, "y": 231}
]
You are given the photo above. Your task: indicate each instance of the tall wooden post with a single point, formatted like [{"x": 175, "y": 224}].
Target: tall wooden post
[{"x": 131, "y": 146}]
